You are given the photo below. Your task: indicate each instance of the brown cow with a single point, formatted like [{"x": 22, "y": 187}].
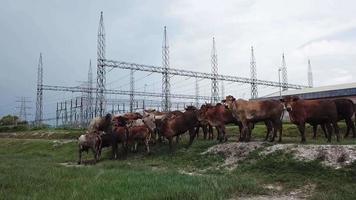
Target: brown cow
[
  {"x": 313, "y": 112},
  {"x": 345, "y": 111},
  {"x": 176, "y": 123},
  {"x": 219, "y": 116},
  {"x": 90, "y": 140},
  {"x": 250, "y": 112}
]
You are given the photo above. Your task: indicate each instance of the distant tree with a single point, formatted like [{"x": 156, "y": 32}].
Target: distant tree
[{"x": 9, "y": 120}]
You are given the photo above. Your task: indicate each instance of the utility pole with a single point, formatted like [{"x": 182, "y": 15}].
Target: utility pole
[
  {"x": 254, "y": 92},
  {"x": 310, "y": 75},
  {"x": 166, "y": 87},
  {"x": 214, "y": 70},
  {"x": 39, "y": 96},
  {"x": 100, "y": 71},
  {"x": 284, "y": 74}
]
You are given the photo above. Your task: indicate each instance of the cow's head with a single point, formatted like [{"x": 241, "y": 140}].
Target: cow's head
[
  {"x": 229, "y": 101},
  {"x": 149, "y": 120},
  {"x": 201, "y": 112},
  {"x": 289, "y": 101}
]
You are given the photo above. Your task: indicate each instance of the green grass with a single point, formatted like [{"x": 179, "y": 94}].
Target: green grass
[{"x": 31, "y": 169}]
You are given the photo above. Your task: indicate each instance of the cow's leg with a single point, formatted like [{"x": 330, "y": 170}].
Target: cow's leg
[
  {"x": 280, "y": 129},
  {"x": 274, "y": 128},
  {"x": 114, "y": 150},
  {"x": 336, "y": 129},
  {"x": 219, "y": 133},
  {"x": 197, "y": 131},
  {"x": 124, "y": 149},
  {"x": 268, "y": 130},
  {"x": 350, "y": 126},
  {"x": 170, "y": 143},
  {"x": 224, "y": 138},
  {"x": 205, "y": 131},
  {"x": 192, "y": 136},
  {"x": 301, "y": 128},
  {"x": 330, "y": 131},
  {"x": 323, "y": 127},
  {"x": 80, "y": 155},
  {"x": 240, "y": 132},
  {"x": 147, "y": 144},
  {"x": 95, "y": 153},
  {"x": 211, "y": 132},
  {"x": 177, "y": 139},
  {"x": 315, "y": 128}
]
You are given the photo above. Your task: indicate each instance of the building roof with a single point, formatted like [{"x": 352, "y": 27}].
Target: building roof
[{"x": 319, "y": 92}]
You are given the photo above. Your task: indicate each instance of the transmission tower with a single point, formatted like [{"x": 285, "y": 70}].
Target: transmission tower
[
  {"x": 284, "y": 74},
  {"x": 39, "y": 96},
  {"x": 100, "y": 71},
  {"x": 254, "y": 92},
  {"x": 310, "y": 75},
  {"x": 196, "y": 92},
  {"x": 23, "y": 107},
  {"x": 132, "y": 88},
  {"x": 214, "y": 70},
  {"x": 90, "y": 94},
  {"x": 166, "y": 87}
]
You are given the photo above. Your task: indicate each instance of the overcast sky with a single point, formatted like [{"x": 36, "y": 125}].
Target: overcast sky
[{"x": 65, "y": 32}]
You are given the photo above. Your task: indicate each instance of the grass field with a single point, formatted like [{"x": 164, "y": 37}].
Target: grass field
[{"x": 31, "y": 168}]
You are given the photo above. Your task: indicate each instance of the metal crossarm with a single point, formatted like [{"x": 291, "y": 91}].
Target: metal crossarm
[{"x": 182, "y": 72}]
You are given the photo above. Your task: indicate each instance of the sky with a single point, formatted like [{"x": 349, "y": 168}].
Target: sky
[{"x": 65, "y": 32}]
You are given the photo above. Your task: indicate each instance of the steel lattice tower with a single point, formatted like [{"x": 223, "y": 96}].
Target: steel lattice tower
[
  {"x": 90, "y": 93},
  {"x": 100, "y": 71},
  {"x": 196, "y": 92},
  {"x": 132, "y": 88},
  {"x": 39, "y": 99},
  {"x": 310, "y": 75},
  {"x": 254, "y": 92},
  {"x": 166, "y": 87},
  {"x": 284, "y": 74},
  {"x": 214, "y": 70}
]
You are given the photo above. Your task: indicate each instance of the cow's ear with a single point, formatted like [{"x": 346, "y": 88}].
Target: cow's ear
[
  {"x": 233, "y": 99},
  {"x": 281, "y": 100},
  {"x": 223, "y": 101},
  {"x": 296, "y": 98}
]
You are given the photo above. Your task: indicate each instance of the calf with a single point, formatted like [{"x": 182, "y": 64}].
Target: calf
[
  {"x": 138, "y": 134},
  {"x": 89, "y": 141},
  {"x": 313, "y": 112},
  {"x": 250, "y": 112}
]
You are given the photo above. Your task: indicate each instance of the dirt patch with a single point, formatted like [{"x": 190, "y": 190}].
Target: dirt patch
[
  {"x": 57, "y": 143},
  {"x": 234, "y": 152},
  {"x": 276, "y": 193},
  {"x": 70, "y": 164},
  {"x": 189, "y": 173},
  {"x": 335, "y": 156}
]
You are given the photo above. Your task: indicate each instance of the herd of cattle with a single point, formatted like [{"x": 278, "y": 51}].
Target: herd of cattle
[{"x": 131, "y": 129}]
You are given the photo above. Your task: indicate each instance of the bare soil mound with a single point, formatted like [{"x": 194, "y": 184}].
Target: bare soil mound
[{"x": 335, "y": 156}]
